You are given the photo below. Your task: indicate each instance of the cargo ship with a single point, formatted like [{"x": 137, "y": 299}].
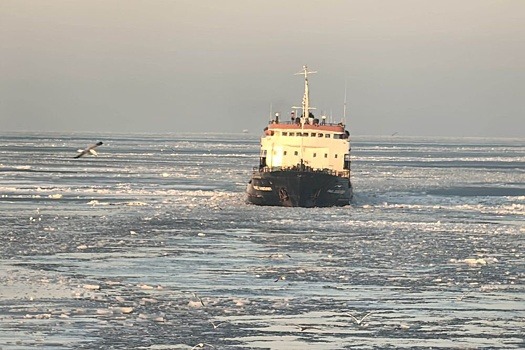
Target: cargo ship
[{"x": 303, "y": 161}]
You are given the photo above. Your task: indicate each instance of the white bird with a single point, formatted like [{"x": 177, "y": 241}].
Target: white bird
[
  {"x": 280, "y": 278},
  {"x": 304, "y": 328},
  {"x": 358, "y": 321},
  {"x": 278, "y": 256},
  {"x": 196, "y": 300},
  {"x": 89, "y": 149},
  {"x": 216, "y": 325},
  {"x": 201, "y": 345}
]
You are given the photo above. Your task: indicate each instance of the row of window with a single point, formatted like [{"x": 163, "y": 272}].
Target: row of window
[
  {"x": 296, "y": 153},
  {"x": 314, "y": 134}
]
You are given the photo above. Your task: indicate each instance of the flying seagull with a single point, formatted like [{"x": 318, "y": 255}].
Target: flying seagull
[
  {"x": 280, "y": 278},
  {"x": 89, "y": 149},
  {"x": 304, "y": 328},
  {"x": 216, "y": 325},
  {"x": 358, "y": 321},
  {"x": 202, "y": 345},
  {"x": 198, "y": 298}
]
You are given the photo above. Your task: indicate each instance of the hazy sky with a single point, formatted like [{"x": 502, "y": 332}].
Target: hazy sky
[{"x": 416, "y": 67}]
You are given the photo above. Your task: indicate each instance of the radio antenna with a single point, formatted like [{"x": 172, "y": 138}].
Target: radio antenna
[{"x": 344, "y": 107}]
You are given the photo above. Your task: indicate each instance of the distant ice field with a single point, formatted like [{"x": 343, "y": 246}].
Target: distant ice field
[{"x": 151, "y": 245}]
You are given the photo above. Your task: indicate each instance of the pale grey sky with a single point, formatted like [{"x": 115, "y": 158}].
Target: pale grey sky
[{"x": 416, "y": 67}]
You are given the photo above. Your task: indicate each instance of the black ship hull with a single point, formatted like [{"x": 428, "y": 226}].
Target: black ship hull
[{"x": 299, "y": 189}]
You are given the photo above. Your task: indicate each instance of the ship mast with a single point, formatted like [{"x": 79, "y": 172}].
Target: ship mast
[
  {"x": 344, "y": 107},
  {"x": 305, "y": 105},
  {"x": 306, "y": 98}
]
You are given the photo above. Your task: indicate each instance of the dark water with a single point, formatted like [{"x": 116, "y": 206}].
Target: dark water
[{"x": 146, "y": 245}]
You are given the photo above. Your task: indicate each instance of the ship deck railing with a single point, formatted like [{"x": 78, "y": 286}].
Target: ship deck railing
[
  {"x": 325, "y": 126},
  {"x": 315, "y": 122},
  {"x": 340, "y": 173}
]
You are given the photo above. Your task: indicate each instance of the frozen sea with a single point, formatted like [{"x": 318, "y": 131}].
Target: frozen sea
[{"x": 152, "y": 246}]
